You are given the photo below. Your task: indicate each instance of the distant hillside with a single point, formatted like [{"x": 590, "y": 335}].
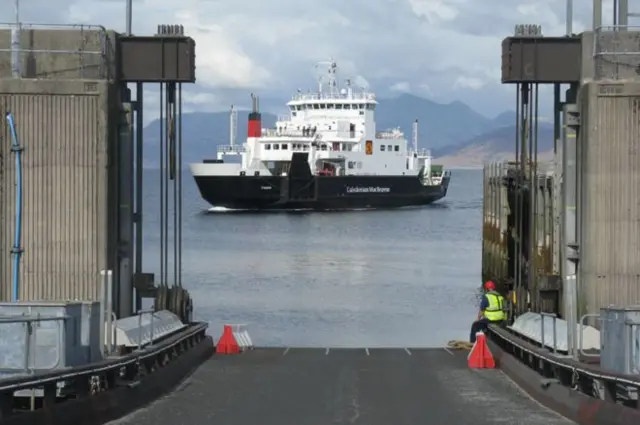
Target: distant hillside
[
  {"x": 506, "y": 118},
  {"x": 439, "y": 124},
  {"x": 442, "y": 128},
  {"x": 496, "y": 145}
]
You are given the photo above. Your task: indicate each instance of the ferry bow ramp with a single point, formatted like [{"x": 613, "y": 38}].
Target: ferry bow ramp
[{"x": 321, "y": 386}]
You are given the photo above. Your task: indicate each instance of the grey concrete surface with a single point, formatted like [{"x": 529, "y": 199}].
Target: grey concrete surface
[
  {"x": 66, "y": 129},
  {"x": 344, "y": 386},
  {"x": 59, "y": 52}
]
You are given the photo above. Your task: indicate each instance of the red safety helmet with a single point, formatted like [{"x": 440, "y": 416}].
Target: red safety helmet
[{"x": 490, "y": 286}]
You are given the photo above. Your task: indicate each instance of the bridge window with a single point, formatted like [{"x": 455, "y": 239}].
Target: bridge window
[
  {"x": 267, "y": 146},
  {"x": 396, "y": 148},
  {"x": 285, "y": 146},
  {"x": 276, "y": 147},
  {"x": 359, "y": 165},
  {"x": 351, "y": 164},
  {"x": 381, "y": 148},
  {"x": 389, "y": 148}
]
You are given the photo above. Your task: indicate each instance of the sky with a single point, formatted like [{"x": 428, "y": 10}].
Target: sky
[{"x": 444, "y": 50}]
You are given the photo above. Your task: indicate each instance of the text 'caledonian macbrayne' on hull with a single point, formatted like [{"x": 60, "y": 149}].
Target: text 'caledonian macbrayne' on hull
[{"x": 325, "y": 155}]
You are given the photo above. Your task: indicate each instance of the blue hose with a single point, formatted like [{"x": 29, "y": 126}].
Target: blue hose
[{"x": 17, "y": 249}]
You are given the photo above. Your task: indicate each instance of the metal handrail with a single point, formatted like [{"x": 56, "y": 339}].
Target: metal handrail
[
  {"x": 581, "y": 323},
  {"x": 140, "y": 313},
  {"x": 549, "y": 358},
  {"x": 554, "y": 322},
  {"x": 231, "y": 148},
  {"x": 31, "y": 319},
  {"x": 634, "y": 353},
  {"x": 31, "y": 26},
  {"x": 21, "y": 383},
  {"x": 28, "y": 332}
]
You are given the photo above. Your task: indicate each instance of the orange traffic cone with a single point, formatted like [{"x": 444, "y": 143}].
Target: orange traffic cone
[
  {"x": 227, "y": 343},
  {"x": 480, "y": 356}
]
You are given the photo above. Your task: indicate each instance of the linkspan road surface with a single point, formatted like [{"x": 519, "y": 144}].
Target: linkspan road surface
[{"x": 319, "y": 386}]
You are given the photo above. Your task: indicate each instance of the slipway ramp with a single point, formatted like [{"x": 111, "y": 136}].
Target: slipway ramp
[{"x": 322, "y": 386}]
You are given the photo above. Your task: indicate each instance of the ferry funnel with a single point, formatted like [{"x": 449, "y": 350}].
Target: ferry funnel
[{"x": 254, "y": 128}]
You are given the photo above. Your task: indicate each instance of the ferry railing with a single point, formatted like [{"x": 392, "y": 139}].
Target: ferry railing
[
  {"x": 390, "y": 135},
  {"x": 271, "y": 132},
  {"x": 587, "y": 378},
  {"x": 94, "y": 378},
  {"x": 231, "y": 149},
  {"x": 420, "y": 152},
  {"x": 334, "y": 96},
  {"x": 90, "y": 58}
]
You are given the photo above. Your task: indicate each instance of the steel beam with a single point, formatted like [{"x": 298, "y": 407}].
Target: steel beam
[
  {"x": 156, "y": 59},
  {"x": 544, "y": 60}
]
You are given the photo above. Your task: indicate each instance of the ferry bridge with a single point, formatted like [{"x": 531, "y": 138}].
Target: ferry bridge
[{"x": 104, "y": 358}]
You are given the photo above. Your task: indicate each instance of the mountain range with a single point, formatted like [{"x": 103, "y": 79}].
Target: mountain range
[{"x": 457, "y": 135}]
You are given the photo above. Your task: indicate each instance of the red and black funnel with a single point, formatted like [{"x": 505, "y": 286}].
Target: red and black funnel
[{"x": 254, "y": 128}]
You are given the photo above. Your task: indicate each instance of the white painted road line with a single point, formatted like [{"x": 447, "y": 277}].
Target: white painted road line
[
  {"x": 326, "y": 353},
  {"x": 286, "y": 351},
  {"x": 407, "y": 350},
  {"x": 366, "y": 350}
]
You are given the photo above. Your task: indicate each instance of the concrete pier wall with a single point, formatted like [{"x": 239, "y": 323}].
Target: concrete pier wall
[
  {"x": 67, "y": 110},
  {"x": 610, "y": 205},
  {"x": 60, "y": 52},
  {"x": 64, "y": 128}
]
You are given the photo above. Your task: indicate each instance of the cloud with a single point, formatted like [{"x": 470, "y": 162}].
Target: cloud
[
  {"x": 468, "y": 83},
  {"x": 448, "y": 48},
  {"x": 402, "y": 87}
]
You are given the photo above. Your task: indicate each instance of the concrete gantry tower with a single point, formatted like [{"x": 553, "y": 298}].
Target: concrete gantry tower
[
  {"x": 81, "y": 130},
  {"x": 593, "y": 191}
]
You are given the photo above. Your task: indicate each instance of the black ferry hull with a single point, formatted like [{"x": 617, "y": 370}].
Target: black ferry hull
[
  {"x": 302, "y": 190},
  {"x": 317, "y": 193}
]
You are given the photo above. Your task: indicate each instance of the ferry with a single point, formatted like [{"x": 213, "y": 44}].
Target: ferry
[{"x": 326, "y": 154}]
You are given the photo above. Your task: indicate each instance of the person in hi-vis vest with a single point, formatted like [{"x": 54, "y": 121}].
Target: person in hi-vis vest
[{"x": 492, "y": 310}]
